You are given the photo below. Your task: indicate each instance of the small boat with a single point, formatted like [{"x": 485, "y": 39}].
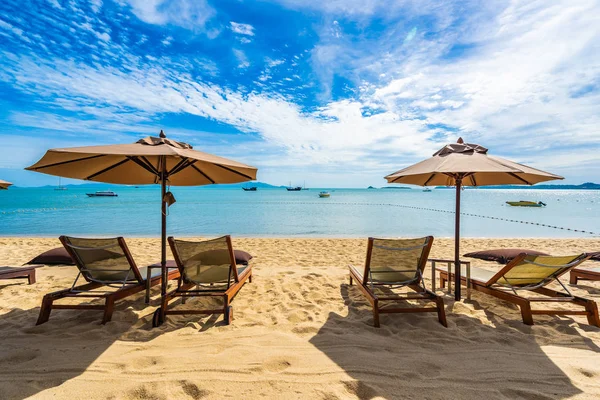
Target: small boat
[
  {"x": 103, "y": 193},
  {"x": 324, "y": 194},
  {"x": 427, "y": 190},
  {"x": 249, "y": 189},
  {"x": 60, "y": 187},
  {"x": 293, "y": 189},
  {"x": 523, "y": 203}
]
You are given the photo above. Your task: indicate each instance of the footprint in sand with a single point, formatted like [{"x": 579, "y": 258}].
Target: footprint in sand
[
  {"x": 192, "y": 390},
  {"x": 277, "y": 364},
  {"x": 19, "y": 356}
]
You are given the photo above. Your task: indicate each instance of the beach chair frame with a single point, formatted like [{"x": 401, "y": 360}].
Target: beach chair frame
[
  {"x": 20, "y": 273},
  {"x": 186, "y": 289},
  {"x": 577, "y": 274},
  {"x": 124, "y": 288},
  {"x": 508, "y": 292},
  {"x": 366, "y": 285}
]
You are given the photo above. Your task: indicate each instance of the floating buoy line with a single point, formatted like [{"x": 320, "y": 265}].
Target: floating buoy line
[{"x": 37, "y": 210}]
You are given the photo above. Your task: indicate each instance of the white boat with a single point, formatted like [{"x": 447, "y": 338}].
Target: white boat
[
  {"x": 103, "y": 193},
  {"x": 324, "y": 194},
  {"x": 427, "y": 190},
  {"x": 60, "y": 187}
]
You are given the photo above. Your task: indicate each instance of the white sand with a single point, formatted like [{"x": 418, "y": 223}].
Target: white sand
[{"x": 299, "y": 331}]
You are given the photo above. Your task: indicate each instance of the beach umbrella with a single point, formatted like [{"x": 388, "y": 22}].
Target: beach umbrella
[
  {"x": 465, "y": 164},
  {"x": 152, "y": 160},
  {"x": 4, "y": 184}
]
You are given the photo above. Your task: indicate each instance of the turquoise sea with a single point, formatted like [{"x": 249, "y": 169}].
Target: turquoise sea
[{"x": 203, "y": 211}]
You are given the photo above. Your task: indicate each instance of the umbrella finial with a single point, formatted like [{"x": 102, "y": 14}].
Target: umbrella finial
[
  {"x": 460, "y": 140},
  {"x": 162, "y": 134}
]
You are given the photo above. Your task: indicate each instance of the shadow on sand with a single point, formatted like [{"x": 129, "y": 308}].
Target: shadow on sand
[
  {"x": 413, "y": 356},
  {"x": 36, "y": 358}
]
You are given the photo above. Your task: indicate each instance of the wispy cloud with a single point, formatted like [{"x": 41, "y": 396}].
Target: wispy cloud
[
  {"x": 242, "y": 29},
  {"x": 367, "y": 90},
  {"x": 241, "y": 57},
  {"x": 188, "y": 14}
]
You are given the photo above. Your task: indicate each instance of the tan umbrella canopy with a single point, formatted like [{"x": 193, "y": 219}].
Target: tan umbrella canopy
[
  {"x": 149, "y": 160},
  {"x": 465, "y": 164},
  {"x": 4, "y": 184}
]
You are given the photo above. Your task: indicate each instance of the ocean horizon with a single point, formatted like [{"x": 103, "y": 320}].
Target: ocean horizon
[{"x": 275, "y": 212}]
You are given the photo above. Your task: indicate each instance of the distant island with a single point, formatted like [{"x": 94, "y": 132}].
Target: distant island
[
  {"x": 396, "y": 187},
  {"x": 371, "y": 187}
]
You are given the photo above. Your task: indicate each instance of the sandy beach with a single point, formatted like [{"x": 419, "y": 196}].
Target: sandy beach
[{"x": 299, "y": 331}]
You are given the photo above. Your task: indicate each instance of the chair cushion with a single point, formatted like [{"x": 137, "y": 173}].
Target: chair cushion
[
  {"x": 502, "y": 256},
  {"x": 57, "y": 256},
  {"x": 242, "y": 257}
]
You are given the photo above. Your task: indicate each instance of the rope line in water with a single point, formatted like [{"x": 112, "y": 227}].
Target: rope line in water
[
  {"x": 444, "y": 211},
  {"x": 347, "y": 204}
]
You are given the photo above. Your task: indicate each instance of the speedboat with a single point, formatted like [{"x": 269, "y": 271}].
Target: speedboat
[
  {"x": 324, "y": 194},
  {"x": 427, "y": 190},
  {"x": 249, "y": 189},
  {"x": 524, "y": 203},
  {"x": 103, "y": 193}
]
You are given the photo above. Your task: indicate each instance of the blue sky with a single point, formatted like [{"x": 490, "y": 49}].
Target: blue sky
[{"x": 338, "y": 93}]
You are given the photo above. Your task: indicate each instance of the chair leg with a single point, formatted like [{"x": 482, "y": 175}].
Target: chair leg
[
  {"x": 250, "y": 277},
  {"x": 442, "y": 282},
  {"x": 441, "y": 311},
  {"x": 147, "y": 296},
  {"x": 376, "y": 314},
  {"x": 572, "y": 278},
  {"x": 592, "y": 308},
  {"x": 109, "y": 307},
  {"x": 227, "y": 310},
  {"x": 45, "y": 310},
  {"x": 351, "y": 281},
  {"x": 31, "y": 277},
  {"x": 526, "y": 313}
]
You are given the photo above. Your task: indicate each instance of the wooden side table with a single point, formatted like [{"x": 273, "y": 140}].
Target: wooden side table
[
  {"x": 449, "y": 264},
  {"x": 170, "y": 265}
]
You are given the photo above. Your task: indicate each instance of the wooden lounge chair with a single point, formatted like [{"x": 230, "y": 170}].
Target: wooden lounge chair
[
  {"x": 584, "y": 274},
  {"x": 206, "y": 268},
  {"x": 19, "y": 273},
  {"x": 396, "y": 263},
  {"x": 531, "y": 273},
  {"x": 110, "y": 272},
  {"x": 587, "y": 273}
]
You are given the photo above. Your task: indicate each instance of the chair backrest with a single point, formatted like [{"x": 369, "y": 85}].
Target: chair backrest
[
  {"x": 396, "y": 261},
  {"x": 106, "y": 261},
  {"x": 535, "y": 271},
  {"x": 206, "y": 262}
]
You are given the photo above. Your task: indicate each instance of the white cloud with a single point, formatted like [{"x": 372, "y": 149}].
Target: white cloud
[
  {"x": 55, "y": 4},
  {"x": 188, "y": 14},
  {"x": 512, "y": 92},
  {"x": 241, "y": 57},
  {"x": 167, "y": 41},
  {"x": 96, "y": 5},
  {"x": 241, "y": 29},
  {"x": 273, "y": 62}
]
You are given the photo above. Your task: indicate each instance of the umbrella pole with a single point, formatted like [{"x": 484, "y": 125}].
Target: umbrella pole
[
  {"x": 457, "y": 242},
  {"x": 163, "y": 238}
]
